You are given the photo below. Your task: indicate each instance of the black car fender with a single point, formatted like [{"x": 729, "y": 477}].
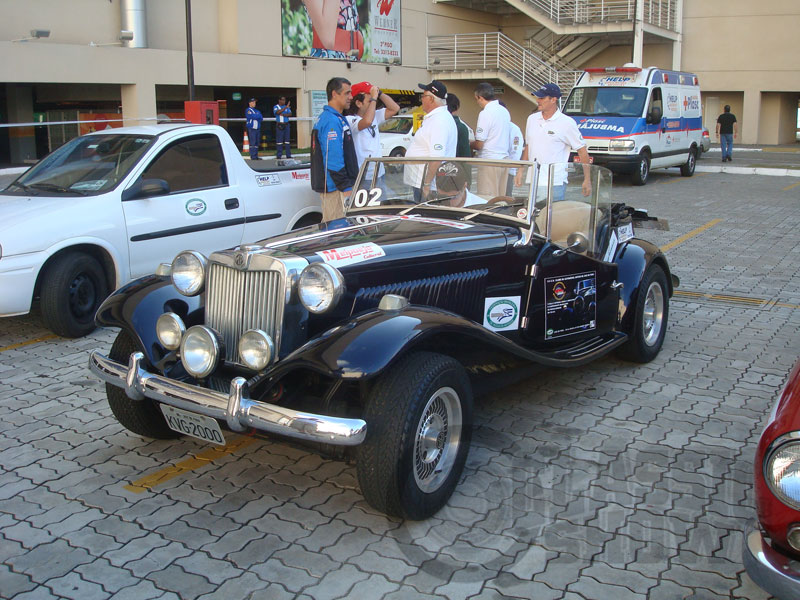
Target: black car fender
[
  {"x": 633, "y": 260},
  {"x": 136, "y": 307},
  {"x": 372, "y": 341}
]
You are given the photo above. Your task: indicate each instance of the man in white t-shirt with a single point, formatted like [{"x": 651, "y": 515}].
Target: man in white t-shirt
[
  {"x": 437, "y": 136},
  {"x": 364, "y": 120},
  {"x": 550, "y": 135},
  {"x": 491, "y": 141}
]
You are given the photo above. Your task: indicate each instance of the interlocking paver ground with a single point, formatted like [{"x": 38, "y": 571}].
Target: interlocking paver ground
[{"x": 611, "y": 481}]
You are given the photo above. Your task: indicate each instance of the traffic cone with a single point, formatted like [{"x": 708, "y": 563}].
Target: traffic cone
[{"x": 246, "y": 144}]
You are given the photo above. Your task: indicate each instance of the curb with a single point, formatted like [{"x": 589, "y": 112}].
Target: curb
[{"x": 749, "y": 171}]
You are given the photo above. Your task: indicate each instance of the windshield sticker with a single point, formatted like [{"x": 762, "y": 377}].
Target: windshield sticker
[
  {"x": 522, "y": 213},
  {"x": 269, "y": 179},
  {"x": 431, "y": 221},
  {"x": 364, "y": 198},
  {"x": 612, "y": 248},
  {"x": 89, "y": 185},
  {"x": 349, "y": 255},
  {"x": 501, "y": 314},
  {"x": 625, "y": 232},
  {"x": 196, "y": 207},
  {"x": 570, "y": 304}
]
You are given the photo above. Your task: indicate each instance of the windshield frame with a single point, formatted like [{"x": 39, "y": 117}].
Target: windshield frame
[
  {"x": 641, "y": 91},
  {"x": 39, "y": 179}
]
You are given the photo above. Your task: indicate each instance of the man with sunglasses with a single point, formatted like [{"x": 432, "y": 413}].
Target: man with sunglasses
[{"x": 364, "y": 118}]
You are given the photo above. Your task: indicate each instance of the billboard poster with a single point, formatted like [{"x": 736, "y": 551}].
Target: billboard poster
[{"x": 359, "y": 30}]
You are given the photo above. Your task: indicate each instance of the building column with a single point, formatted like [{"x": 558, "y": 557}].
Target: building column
[
  {"x": 21, "y": 140},
  {"x": 677, "y": 44},
  {"x": 638, "y": 34},
  {"x": 138, "y": 102},
  {"x": 750, "y": 117}
]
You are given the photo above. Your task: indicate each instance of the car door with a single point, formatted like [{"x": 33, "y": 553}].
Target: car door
[
  {"x": 182, "y": 201},
  {"x": 658, "y": 139}
]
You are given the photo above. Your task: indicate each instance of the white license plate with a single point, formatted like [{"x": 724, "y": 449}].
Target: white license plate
[{"x": 188, "y": 423}]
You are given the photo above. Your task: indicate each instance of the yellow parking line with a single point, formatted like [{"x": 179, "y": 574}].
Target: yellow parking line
[
  {"x": 199, "y": 460},
  {"x": 789, "y": 187},
  {"x": 691, "y": 234},
  {"x": 44, "y": 338}
]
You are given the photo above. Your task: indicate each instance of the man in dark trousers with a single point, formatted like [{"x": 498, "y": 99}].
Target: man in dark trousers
[
  {"x": 282, "y": 111},
  {"x": 253, "y": 124},
  {"x": 727, "y": 129},
  {"x": 334, "y": 164}
]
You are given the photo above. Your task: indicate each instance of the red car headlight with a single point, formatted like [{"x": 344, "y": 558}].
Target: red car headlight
[{"x": 782, "y": 470}]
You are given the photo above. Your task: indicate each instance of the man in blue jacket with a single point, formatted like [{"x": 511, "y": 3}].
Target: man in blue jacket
[
  {"x": 253, "y": 118},
  {"x": 282, "y": 111},
  {"x": 334, "y": 165}
]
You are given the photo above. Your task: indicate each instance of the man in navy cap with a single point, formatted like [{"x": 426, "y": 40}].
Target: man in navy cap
[
  {"x": 253, "y": 118},
  {"x": 550, "y": 135}
]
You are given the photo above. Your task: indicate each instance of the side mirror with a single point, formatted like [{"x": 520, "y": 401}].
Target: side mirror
[
  {"x": 654, "y": 116},
  {"x": 146, "y": 188},
  {"x": 577, "y": 242}
]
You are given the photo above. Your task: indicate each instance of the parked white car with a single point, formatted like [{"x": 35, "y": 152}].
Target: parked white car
[{"x": 109, "y": 207}]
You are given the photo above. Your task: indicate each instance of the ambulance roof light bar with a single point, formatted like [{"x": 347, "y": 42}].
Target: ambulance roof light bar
[{"x": 613, "y": 70}]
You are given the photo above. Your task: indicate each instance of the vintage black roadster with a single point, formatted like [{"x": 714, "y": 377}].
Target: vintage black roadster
[{"x": 362, "y": 335}]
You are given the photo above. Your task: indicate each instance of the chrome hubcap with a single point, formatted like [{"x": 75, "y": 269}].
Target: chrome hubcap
[
  {"x": 653, "y": 317},
  {"x": 437, "y": 439}
]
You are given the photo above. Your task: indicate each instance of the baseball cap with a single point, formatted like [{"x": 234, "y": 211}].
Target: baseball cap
[
  {"x": 435, "y": 87},
  {"x": 548, "y": 89},
  {"x": 451, "y": 177},
  {"x": 362, "y": 87},
  {"x": 252, "y": 100}
]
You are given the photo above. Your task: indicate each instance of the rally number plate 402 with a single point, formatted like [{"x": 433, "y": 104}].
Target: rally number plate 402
[{"x": 199, "y": 426}]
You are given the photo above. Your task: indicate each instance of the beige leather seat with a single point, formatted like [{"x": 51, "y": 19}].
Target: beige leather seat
[{"x": 568, "y": 216}]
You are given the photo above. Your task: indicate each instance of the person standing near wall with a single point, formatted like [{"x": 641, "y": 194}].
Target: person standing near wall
[
  {"x": 253, "y": 122},
  {"x": 462, "y": 146},
  {"x": 491, "y": 141},
  {"x": 727, "y": 129},
  {"x": 334, "y": 165},
  {"x": 283, "y": 130}
]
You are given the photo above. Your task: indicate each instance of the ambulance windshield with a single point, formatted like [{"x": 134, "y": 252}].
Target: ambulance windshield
[{"x": 606, "y": 102}]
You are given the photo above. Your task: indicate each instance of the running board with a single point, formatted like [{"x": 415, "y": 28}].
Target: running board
[{"x": 588, "y": 349}]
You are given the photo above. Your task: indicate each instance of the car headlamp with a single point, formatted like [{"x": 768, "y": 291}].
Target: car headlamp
[
  {"x": 189, "y": 273},
  {"x": 200, "y": 350},
  {"x": 621, "y": 144},
  {"x": 320, "y": 287},
  {"x": 170, "y": 330},
  {"x": 256, "y": 349},
  {"x": 782, "y": 473}
]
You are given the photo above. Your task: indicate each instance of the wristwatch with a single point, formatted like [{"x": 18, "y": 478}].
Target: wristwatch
[{"x": 373, "y": 99}]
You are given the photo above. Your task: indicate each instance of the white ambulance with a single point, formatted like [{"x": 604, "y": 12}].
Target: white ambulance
[{"x": 635, "y": 119}]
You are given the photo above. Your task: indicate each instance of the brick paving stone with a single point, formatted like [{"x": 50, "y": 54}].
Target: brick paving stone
[
  {"x": 135, "y": 549},
  {"x": 50, "y": 560},
  {"x": 245, "y": 587},
  {"x": 73, "y": 586},
  {"x": 375, "y": 586},
  {"x": 143, "y": 590},
  {"x": 187, "y": 585},
  {"x": 256, "y": 551},
  {"x": 12, "y": 583},
  {"x": 325, "y": 535},
  {"x": 157, "y": 559},
  {"x": 336, "y": 584},
  {"x": 371, "y": 562},
  {"x": 27, "y": 535},
  {"x": 292, "y": 578},
  {"x": 102, "y": 572},
  {"x": 232, "y": 541}
]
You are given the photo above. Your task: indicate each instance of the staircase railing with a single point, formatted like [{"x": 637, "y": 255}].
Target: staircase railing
[
  {"x": 494, "y": 51},
  {"x": 660, "y": 13}
]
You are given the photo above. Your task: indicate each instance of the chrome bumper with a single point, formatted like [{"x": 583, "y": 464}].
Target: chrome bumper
[
  {"x": 235, "y": 408},
  {"x": 772, "y": 570}
]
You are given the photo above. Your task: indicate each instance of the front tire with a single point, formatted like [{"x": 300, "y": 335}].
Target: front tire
[
  {"x": 687, "y": 169},
  {"x": 142, "y": 417},
  {"x": 642, "y": 172},
  {"x": 73, "y": 288},
  {"x": 650, "y": 320},
  {"x": 419, "y": 425}
]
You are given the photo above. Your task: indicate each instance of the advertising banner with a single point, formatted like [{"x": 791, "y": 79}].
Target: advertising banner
[{"x": 358, "y": 30}]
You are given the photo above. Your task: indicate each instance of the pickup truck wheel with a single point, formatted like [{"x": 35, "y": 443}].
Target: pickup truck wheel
[
  {"x": 142, "y": 417},
  {"x": 687, "y": 169},
  {"x": 650, "y": 320},
  {"x": 306, "y": 220},
  {"x": 419, "y": 425},
  {"x": 73, "y": 287},
  {"x": 642, "y": 172}
]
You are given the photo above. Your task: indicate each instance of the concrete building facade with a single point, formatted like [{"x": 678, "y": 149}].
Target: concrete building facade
[{"x": 743, "y": 53}]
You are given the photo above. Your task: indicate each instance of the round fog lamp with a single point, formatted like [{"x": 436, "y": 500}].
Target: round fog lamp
[
  {"x": 320, "y": 287},
  {"x": 793, "y": 536},
  {"x": 199, "y": 351},
  {"x": 256, "y": 349},
  {"x": 782, "y": 473},
  {"x": 170, "y": 330},
  {"x": 189, "y": 273}
]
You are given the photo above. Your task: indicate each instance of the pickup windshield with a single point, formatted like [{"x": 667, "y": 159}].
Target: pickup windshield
[
  {"x": 606, "y": 102},
  {"x": 84, "y": 166}
]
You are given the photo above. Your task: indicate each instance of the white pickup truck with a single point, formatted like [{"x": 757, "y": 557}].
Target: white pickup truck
[{"x": 109, "y": 207}]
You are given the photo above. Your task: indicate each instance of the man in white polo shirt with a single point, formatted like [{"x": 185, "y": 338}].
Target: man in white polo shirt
[
  {"x": 491, "y": 141},
  {"x": 550, "y": 135},
  {"x": 437, "y": 136}
]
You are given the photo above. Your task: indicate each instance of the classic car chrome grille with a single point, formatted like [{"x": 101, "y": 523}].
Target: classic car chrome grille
[
  {"x": 240, "y": 300},
  {"x": 462, "y": 293}
]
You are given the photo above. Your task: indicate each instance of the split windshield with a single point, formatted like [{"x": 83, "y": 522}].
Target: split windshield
[
  {"x": 84, "y": 166},
  {"x": 606, "y": 102}
]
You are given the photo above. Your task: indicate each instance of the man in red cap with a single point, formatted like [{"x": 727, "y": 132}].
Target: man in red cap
[{"x": 364, "y": 118}]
